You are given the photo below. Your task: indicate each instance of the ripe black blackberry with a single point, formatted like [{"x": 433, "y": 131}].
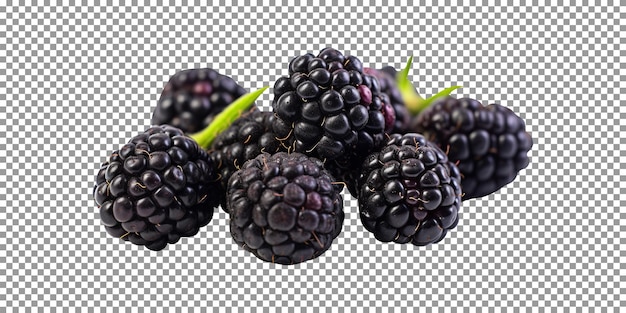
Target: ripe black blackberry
[
  {"x": 249, "y": 136},
  {"x": 158, "y": 187},
  {"x": 490, "y": 143},
  {"x": 192, "y": 98},
  {"x": 389, "y": 88},
  {"x": 162, "y": 185},
  {"x": 409, "y": 191},
  {"x": 284, "y": 208},
  {"x": 329, "y": 109}
]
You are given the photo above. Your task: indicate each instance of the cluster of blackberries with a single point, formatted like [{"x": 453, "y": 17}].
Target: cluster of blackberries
[{"x": 279, "y": 175}]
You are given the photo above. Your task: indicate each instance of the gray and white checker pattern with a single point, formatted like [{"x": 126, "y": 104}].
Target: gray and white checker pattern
[{"x": 78, "y": 81}]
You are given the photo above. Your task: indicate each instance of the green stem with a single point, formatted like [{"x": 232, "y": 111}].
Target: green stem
[
  {"x": 446, "y": 92},
  {"x": 223, "y": 120},
  {"x": 412, "y": 99}
]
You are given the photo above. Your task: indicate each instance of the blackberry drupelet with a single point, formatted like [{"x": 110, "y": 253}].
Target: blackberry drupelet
[
  {"x": 409, "y": 191},
  {"x": 490, "y": 143},
  {"x": 249, "y": 136},
  {"x": 284, "y": 208},
  {"x": 389, "y": 88},
  {"x": 158, "y": 187},
  {"x": 329, "y": 109},
  {"x": 192, "y": 98}
]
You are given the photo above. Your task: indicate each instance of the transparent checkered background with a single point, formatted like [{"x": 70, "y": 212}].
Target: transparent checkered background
[{"x": 78, "y": 81}]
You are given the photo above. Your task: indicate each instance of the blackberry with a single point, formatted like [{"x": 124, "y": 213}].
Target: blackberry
[
  {"x": 390, "y": 71},
  {"x": 389, "y": 88},
  {"x": 162, "y": 185},
  {"x": 409, "y": 191},
  {"x": 249, "y": 136},
  {"x": 284, "y": 208},
  {"x": 192, "y": 98},
  {"x": 328, "y": 108},
  {"x": 489, "y": 143},
  {"x": 158, "y": 187}
]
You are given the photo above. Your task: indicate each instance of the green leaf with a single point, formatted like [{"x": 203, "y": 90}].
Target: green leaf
[
  {"x": 411, "y": 98},
  {"x": 444, "y": 93},
  {"x": 223, "y": 120},
  {"x": 414, "y": 102}
]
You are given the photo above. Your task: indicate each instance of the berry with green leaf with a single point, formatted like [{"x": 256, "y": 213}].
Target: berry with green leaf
[
  {"x": 249, "y": 136},
  {"x": 162, "y": 185},
  {"x": 192, "y": 98},
  {"x": 489, "y": 144}
]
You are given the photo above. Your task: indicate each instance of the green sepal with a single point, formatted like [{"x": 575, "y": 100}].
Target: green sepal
[
  {"x": 414, "y": 102},
  {"x": 205, "y": 137},
  {"x": 411, "y": 98},
  {"x": 446, "y": 92}
]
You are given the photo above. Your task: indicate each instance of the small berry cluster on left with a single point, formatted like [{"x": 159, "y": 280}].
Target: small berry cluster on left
[{"x": 162, "y": 184}]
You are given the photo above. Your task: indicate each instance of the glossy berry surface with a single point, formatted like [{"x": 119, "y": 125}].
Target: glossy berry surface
[
  {"x": 192, "y": 98},
  {"x": 284, "y": 208},
  {"x": 330, "y": 109},
  {"x": 409, "y": 192},
  {"x": 389, "y": 88},
  {"x": 158, "y": 187},
  {"x": 489, "y": 143},
  {"x": 245, "y": 139}
]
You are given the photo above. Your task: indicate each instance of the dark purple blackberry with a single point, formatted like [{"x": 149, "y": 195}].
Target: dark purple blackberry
[
  {"x": 158, "y": 187},
  {"x": 329, "y": 109},
  {"x": 391, "y": 94},
  {"x": 192, "y": 98},
  {"x": 409, "y": 191},
  {"x": 249, "y": 136},
  {"x": 489, "y": 143},
  {"x": 390, "y": 71},
  {"x": 284, "y": 208}
]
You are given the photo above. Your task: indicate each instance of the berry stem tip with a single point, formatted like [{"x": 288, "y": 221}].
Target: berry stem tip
[{"x": 414, "y": 102}]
